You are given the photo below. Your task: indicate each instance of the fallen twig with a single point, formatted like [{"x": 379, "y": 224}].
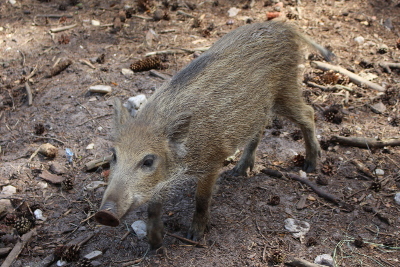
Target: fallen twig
[
  {"x": 141, "y": 17},
  {"x": 18, "y": 248},
  {"x": 54, "y": 16},
  {"x": 86, "y": 62},
  {"x": 353, "y": 77},
  {"x": 330, "y": 88},
  {"x": 165, "y": 52},
  {"x": 364, "y": 142},
  {"x": 180, "y": 12},
  {"x": 197, "y": 244},
  {"x": 361, "y": 167},
  {"x": 29, "y": 93},
  {"x": 98, "y": 162},
  {"x": 332, "y": 198},
  {"x": 387, "y": 66},
  {"x": 296, "y": 262},
  {"x": 64, "y": 28}
]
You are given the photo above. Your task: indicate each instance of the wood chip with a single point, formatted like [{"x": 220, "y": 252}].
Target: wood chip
[{"x": 52, "y": 178}]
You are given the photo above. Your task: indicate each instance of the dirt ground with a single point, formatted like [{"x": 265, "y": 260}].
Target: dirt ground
[{"x": 248, "y": 213}]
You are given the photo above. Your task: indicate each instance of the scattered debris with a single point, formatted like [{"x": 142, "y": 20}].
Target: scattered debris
[
  {"x": 324, "y": 259},
  {"x": 298, "y": 228}
]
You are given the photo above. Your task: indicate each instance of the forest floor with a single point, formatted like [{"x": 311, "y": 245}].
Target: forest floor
[{"x": 58, "y": 65}]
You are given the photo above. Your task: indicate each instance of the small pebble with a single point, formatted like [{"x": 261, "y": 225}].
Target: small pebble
[
  {"x": 397, "y": 198},
  {"x": 39, "y": 215},
  {"x": 90, "y": 146},
  {"x": 233, "y": 11},
  {"x": 359, "y": 39},
  {"x": 324, "y": 259},
  {"x": 128, "y": 73},
  {"x": 379, "y": 172},
  {"x": 95, "y": 184},
  {"x": 95, "y": 22}
]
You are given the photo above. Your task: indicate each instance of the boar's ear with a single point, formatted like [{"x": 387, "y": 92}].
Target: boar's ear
[
  {"x": 121, "y": 113},
  {"x": 177, "y": 131}
]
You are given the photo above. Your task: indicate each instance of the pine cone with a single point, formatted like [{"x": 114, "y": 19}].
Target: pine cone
[
  {"x": 22, "y": 225},
  {"x": 298, "y": 160},
  {"x": 147, "y": 64},
  {"x": 84, "y": 262},
  {"x": 67, "y": 184},
  {"x": 277, "y": 257},
  {"x": 68, "y": 252},
  {"x": 334, "y": 114}
]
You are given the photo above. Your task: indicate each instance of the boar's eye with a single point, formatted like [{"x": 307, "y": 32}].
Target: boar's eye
[{"x": 148, "y": 161}]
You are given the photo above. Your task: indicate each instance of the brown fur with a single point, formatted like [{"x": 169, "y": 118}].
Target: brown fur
[{"x": 221, "y": 101}]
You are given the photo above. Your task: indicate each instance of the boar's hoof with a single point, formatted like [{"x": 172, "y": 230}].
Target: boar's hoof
[
  {"x": 106, "y": 217},
  {"x": 309, "y": 166}
]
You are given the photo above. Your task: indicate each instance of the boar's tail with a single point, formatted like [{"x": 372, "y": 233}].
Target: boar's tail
[{"x": 328, "y": 55}]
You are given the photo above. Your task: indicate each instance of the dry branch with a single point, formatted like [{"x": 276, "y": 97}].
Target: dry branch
[
  {"x": 98, "y": 162},
  {"x": 364, "y": 142},
  {"x": 29, "y": 93},
  {"x": 332, "y": 198},
  {"x": 64, "y": 28},
  {"x": 387, "y": 66},
  {"x": 18, "y": 248},
  {"x": 330, "y": 88},
  {"x": 191, "y": 242},
  {"x": 353, "y": 77}
]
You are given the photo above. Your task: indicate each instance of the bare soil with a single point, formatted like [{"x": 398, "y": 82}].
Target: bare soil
[{"x": 247, "y": 227}]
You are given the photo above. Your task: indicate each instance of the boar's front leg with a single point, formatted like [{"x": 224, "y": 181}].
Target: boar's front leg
[
  {"x": 155, "y": 227},
  {"x": 248, "y": 158},
  {"x": 201, "y": 215}
]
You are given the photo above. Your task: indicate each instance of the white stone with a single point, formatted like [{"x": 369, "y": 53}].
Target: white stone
[
  {"x": 95, "y": 22},
  {"x": 324, "y": 259},
  {"x": 39, "y": 215},
  {"x": 43, "y": 185},
  {"x": 95, "y": 184},
  {"x": 298, "y": 228},
  {"x": 8, "y": 191},
  {"x": 12, "y": 2},
  {"x": 397, "y": 198},
  {"x": 102, "y": 89},
  {"x": 94, "y": 254},
  {"x": 379, "y": 172},
  {"x": 233, "y": 11},
  {"x": 128, "y": 73},
  {"x": 90, "y": 146},
  {"x": 139, "y": 227},
  {"x": 303, "y": 174},
  {"x": 61, "y": 263},
  {"x": 359, "y": 39},
  {"x": 135, "y": 103}
]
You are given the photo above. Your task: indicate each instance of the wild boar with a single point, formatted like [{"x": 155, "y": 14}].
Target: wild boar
[{"x": 221, "y": 101}]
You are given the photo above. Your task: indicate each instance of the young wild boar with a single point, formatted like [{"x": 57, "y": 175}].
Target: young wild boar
[{"x": 221, "y": 101}]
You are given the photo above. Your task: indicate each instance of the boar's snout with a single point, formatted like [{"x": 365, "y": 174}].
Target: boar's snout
[{"x": 107, "y": 215}]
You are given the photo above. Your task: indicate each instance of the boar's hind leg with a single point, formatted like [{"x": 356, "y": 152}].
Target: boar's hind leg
[
  {"x": 201, "y": 215},
  {"x": 155, "y": 227},
  {"x": 296, "y": 110},
  {"x": 247, "y": 159}
]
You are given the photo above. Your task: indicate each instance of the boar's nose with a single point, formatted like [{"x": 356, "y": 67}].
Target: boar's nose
[{"x": 106, "y": 215}]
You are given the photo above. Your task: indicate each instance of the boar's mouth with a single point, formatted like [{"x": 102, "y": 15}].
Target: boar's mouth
[{"x": 107, "y": 215}]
